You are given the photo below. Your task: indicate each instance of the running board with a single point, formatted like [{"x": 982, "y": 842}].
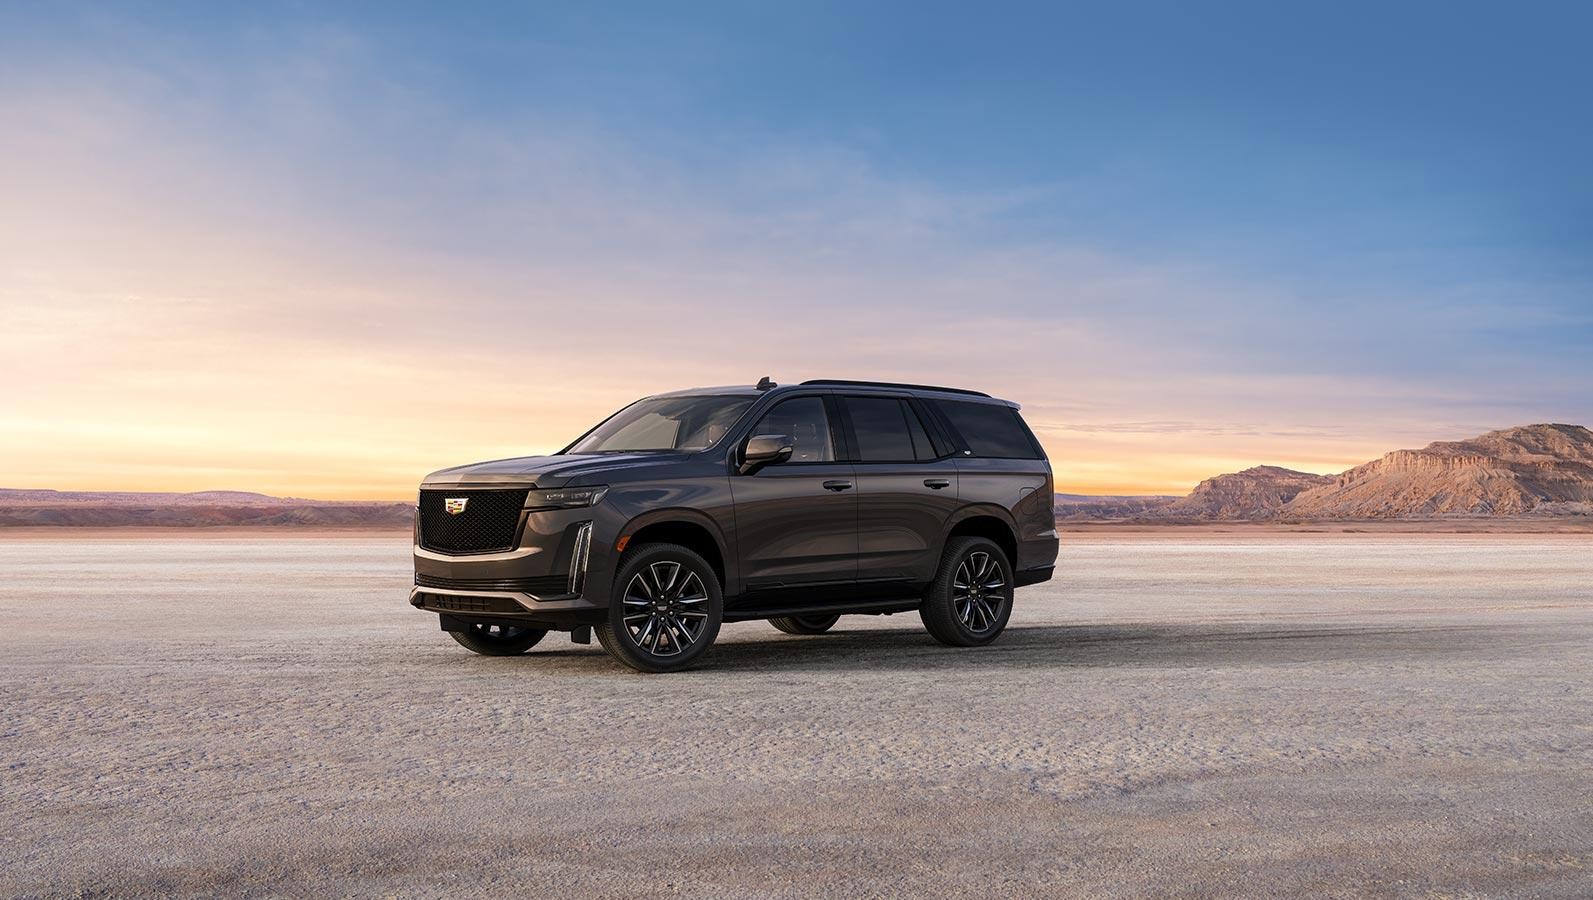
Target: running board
[{"x": 865, "y": 607}]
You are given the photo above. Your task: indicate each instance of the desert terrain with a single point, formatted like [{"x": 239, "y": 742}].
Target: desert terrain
[
  {"x": 1180, "y": 712},
  {"x": 1527, "y": 477}
]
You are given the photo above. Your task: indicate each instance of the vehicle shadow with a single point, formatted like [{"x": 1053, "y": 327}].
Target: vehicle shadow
[{"x": 1071, "y": 646}]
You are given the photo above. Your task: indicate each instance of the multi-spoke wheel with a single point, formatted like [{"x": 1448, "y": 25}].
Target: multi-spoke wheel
[
  {"x": 498, "y": 640},
  {"x": 979, "y": 591},
  {"x": 971, "y": 598},
  {"x": 805, "y": 624},
  {"x": 667, "y": 610}
]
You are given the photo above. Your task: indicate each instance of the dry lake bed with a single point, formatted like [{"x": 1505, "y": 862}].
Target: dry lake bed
[{"x": 1196, "y": 715}]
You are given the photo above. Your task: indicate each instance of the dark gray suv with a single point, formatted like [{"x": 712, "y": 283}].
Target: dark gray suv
[{"x": 792, "y": 503}]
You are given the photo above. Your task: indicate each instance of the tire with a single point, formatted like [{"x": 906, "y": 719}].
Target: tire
[
  {"x": 498, "y": 640},
  {"x": 805, "y": 624},
  {"x": 970, "y": 600},
  {"x": 666, "y": 610}
]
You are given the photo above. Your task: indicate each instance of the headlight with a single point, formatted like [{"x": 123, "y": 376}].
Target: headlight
[{"x": 565, "y": 498}]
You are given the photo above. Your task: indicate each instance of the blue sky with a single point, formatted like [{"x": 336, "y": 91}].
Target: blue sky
[{"x": 1185, "y": 236}]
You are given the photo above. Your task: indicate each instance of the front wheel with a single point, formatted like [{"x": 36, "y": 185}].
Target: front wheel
[
  {"x": 970, "y": 600},
  {"x": 498, "y": 640},
  {"x": 805, "y": 624},
  {"x": 667, "y": 609}
]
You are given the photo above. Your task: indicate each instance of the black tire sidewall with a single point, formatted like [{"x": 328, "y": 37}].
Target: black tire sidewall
[
  {"x": 520, "y": 644},
  {"x": 615, "y": 637},
  {"x": 805, "y": 624}
]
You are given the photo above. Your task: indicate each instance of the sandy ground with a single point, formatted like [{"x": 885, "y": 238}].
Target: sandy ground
[{"x": 1198, "y": 716}]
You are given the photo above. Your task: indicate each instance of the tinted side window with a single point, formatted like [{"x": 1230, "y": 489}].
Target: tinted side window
[
  {"x": 805, "y": 421},
  {"x": 990, "y": 429},
  {"x": 882, "y": 429}
]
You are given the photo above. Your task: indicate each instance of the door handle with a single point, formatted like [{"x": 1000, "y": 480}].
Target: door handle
[
  {"x": 937, "y": 483},
  {"x": 837, "y": 485}
]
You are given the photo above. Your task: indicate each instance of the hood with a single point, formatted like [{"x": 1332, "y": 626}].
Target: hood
[{"x": 542, "y": 471}]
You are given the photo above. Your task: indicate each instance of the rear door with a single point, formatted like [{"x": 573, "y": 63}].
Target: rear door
[
  {"x": 906, "y": 488},
  {"x": 796, "y": 522}
]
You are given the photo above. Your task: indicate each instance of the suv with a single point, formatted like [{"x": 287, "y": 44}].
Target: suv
[{"x": 795, "y": 503}]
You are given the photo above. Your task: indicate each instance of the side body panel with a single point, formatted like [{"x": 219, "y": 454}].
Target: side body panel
[{"x": 1021, "y": 490}]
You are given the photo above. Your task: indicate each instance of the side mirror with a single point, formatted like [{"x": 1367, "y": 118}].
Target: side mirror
[{"x": 765, "y": 450}]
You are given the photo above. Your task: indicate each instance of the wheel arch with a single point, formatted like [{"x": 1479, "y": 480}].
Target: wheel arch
[
  {"x": 990, "y": 522},
  {"x": 688, "y": 528}
]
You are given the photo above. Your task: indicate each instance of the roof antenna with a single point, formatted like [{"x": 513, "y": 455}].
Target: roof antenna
[{"x": 764, "y": 383}]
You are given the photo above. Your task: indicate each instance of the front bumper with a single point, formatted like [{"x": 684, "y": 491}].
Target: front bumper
[
  {"x": 516, "y": 606},
  {"x": 548, "y": 577}
]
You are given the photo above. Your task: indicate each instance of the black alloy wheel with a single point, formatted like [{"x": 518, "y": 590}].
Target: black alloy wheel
[
  {"x": 667, "y": 612},
  {"x": 970, "y": 600}
]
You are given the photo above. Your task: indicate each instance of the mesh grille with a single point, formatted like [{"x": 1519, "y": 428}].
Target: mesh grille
[{"x": 488, "y": 522}]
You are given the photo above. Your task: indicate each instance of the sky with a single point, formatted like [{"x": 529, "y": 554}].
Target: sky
[{"x": 322, "y": 249}]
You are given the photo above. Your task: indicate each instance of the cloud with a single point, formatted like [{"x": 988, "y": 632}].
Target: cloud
[{"x": 297, "y": 267}]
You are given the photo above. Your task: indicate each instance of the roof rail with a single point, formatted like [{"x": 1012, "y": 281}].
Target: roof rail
[{"x": 893, "y": 384}]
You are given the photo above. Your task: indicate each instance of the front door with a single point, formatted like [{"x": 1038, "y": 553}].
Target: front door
[{"x": 796, "y": 521}]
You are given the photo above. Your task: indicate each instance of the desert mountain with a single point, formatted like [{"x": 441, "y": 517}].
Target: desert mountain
[
  {"x": 1529, "y": 470},
  {"x": 1255, "y": 493},
  {"x": 124, "y": 508}
]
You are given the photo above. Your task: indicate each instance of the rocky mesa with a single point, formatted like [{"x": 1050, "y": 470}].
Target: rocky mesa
[
  {"x": 1257, "y": 492},
  {"x": 1528, "y": 470}
]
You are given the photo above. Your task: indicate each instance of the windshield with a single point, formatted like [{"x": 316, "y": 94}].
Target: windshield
[{"x": 665, "y": 423}]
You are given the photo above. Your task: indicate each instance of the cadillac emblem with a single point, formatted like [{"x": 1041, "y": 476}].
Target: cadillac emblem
[{"x": 455, "y": 505}]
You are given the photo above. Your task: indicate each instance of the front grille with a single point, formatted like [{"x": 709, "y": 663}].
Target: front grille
[
  {"x": 541, "y": 585},
  {"x": 487, "y": 523}
]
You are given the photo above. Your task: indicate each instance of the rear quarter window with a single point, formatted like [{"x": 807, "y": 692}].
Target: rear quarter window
[{"x": 991, "y": 429}]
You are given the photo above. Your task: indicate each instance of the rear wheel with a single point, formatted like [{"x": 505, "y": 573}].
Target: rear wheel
[
  {"x": 970, "y": 600},
  {"x": 805, "y": 624},
  {"x": 498, "y": 640},
  {"x": 667, "y": 610}
]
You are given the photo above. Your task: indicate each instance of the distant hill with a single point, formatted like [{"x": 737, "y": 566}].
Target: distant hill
[
  {"x": 1257, "y": 492},
  {"x": 200, "y": 508},
  {"x": 1530, "y": 470},
  {"x": 1091, "y": 507},
  {"x": 1523, "y": 472}
]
